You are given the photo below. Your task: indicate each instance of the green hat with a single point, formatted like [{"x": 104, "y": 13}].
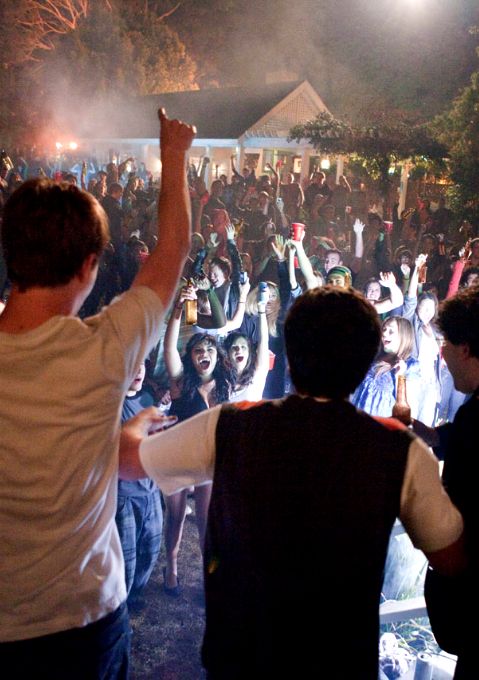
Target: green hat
[{"x": 339, "y": 270}]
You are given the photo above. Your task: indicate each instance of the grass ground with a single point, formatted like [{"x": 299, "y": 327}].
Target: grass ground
[{"x": 167, "y": 632}]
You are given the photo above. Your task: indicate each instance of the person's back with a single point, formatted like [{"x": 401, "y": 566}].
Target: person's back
[
  {"x": 63, "y": 383},
  {"x": 293, "y": 492}
]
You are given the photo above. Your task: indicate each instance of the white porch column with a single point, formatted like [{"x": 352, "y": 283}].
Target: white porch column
[{"x": 339, "y": 167}]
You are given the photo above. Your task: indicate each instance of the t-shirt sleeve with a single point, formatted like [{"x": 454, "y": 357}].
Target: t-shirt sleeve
[
  {"x": 184, "y": 455},
  {"x": 427, "y": 513},
  {"x": 129, "y": 327}
]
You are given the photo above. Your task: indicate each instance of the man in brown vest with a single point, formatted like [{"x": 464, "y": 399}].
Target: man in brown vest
[{"x": 306, "y": 490}]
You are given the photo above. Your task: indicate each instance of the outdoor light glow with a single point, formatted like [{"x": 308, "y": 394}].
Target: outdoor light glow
[
  {"x": 73, "y": 146},
  {"x": 59, "y": 145},
  {"x": 325, "y": 164}
]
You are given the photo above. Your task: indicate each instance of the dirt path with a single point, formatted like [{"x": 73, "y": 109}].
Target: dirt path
[{"x": 168, "y": 631}]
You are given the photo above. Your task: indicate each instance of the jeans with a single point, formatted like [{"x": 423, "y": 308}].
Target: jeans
[
  {"x": 140, "y": 522},
  {"x": 98, "y": 651}
]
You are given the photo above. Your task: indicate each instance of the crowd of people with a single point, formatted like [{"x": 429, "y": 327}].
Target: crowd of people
[{"x": 281, "y": 286}]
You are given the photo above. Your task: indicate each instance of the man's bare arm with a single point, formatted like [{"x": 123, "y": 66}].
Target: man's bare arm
[
  {"x": 133, "y": 432},
  {"x": 162, "y": 270}
]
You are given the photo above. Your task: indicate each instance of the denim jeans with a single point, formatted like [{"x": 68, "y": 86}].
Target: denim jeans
[
  {"x": 140, "y": 522},
  {"x": 99, "y": 651}
]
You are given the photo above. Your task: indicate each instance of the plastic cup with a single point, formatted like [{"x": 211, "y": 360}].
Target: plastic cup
[
  {"x": 297, "y": 231},
  {"x": 388, "y": 226},
  {"x": 272, "y": 357}
]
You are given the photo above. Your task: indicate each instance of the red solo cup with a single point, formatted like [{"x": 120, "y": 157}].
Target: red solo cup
[
  {"x": 388, "y": 226},
  {"x": 297, "y": 231},
  {"x": 272, "y": 357}
]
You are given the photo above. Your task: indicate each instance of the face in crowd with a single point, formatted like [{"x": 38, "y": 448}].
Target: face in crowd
[
  {"x": 373, "y": 290},
  {"x": 137, "y": 383},
  {"x": 426, "y": 310},
  {"x": 332, "y": 259},
  {"x": 390, "y": 337},
  {"x": 217, "y": 276},
  {"x": 239, "y": 354},
  {"x": 272, "y": 306},
  {"x": 204, "y": 357}
]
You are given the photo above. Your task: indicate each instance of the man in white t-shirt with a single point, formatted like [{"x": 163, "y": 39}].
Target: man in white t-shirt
[
  {"x": 63, "y": 381},
  {"x": 306, "y": 490}
]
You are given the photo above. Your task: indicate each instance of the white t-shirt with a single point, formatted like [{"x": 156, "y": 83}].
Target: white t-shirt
[
  {"x": 185, "y": 456},
  {"x": 61, "y": 389}
]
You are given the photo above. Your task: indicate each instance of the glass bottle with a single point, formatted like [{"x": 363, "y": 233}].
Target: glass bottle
[
  {"x": 401, "y": 408},
  {"x": 191, "y": 312},
  {"x": 191, "y": 307}
]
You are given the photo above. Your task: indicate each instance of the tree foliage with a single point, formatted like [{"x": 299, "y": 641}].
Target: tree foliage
[
  {"x": 458, "y": 129},
  {"x": 377, "y": 146},
  {"x": 122, "y": 51},
  {"x": 67, "y": 54},
  {"x": 36, "y": 25}
]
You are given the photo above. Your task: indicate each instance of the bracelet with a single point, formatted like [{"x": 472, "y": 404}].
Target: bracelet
[
  {"x": 261, "y": 312},
  {"x": 241, "y": 302}
]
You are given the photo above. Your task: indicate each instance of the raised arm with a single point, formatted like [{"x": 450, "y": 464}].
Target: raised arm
[
  {"x": 233, "y": 254},
  {"x": 233, "y": 169},
  {"x": 413, "y": 283},
  {"x": 305, "y": 265},
  {"x": 396, "y": 297},
  {"x": 161, "y": 272},
  {"x": 458, "y": 270},
  {"x": 174, "y": 365},
  {"x": 276, "y": 179},
  {"x": 358, "y": 228},
  {"x": 262, "y": 351}
]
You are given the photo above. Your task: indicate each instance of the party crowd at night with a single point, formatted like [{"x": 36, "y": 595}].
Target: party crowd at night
[{"x": 241, "y": 315}]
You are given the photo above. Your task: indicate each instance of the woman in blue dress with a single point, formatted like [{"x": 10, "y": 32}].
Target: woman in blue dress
[
  {"x": 377, "y": 392},
  {"x": 376, "y": 395}
]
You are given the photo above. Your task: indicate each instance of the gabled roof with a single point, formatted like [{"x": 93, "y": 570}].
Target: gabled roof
[{"x": 226, "y": 113}]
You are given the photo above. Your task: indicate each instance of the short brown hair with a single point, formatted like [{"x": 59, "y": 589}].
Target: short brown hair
[
  {"x": 48, "y": 231},
  {"x": 332, "y": 336}
]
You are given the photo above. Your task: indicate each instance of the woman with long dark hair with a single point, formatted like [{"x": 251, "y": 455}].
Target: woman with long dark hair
[
  {"x": 198, "y": 380},
  {"x": 249, "y": 363}
]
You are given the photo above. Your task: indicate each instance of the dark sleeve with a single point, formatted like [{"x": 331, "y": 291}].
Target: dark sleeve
[
  {"x": 217, "y": 319},
  {"x": 444, "y": 433},
  {"x": 250, "y": 327},
  {"x": 284, "y": 286},
  {"x": 236, "y": 262}
]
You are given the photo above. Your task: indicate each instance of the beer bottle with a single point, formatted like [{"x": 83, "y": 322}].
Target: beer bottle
[
  {"x": 401, "y": 408},
  {"x": 191, "y": 309}
]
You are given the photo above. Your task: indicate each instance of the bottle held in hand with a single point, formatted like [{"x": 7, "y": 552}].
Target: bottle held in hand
[
  {"x": 401, "y": 408},
  {"x": 191, "y": 309}
]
